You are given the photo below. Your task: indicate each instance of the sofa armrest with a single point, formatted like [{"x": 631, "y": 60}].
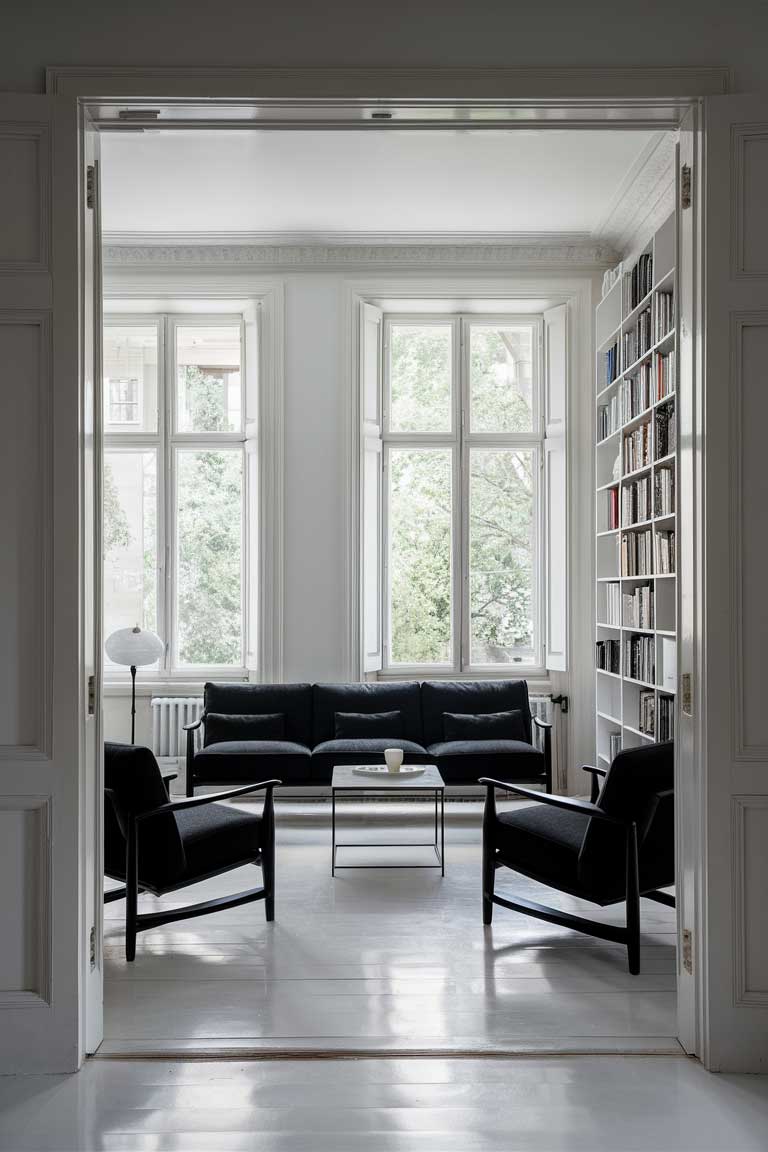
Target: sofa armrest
[
  {"x": 546, "y": 728},
  {"x": 190, "y": 730}
]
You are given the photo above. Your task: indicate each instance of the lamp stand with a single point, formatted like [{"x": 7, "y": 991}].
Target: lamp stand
[{"x": 133, "y": 703}]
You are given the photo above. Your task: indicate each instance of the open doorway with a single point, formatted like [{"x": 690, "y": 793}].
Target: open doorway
[{"x": 280, "y": 238}]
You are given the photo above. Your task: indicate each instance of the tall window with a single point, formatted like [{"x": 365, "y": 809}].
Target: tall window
[
  {"x": 463, "y": 442},
  {"x": 174, "y": 481}
]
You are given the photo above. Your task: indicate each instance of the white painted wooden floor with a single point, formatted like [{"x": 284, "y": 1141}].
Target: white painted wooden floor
[
  {"x": 546, "y": 1104},
  {"x": 383, "y": 962}
]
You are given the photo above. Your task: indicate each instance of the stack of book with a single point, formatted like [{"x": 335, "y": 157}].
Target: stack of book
[
  {"x": 635, "y": 393},
  {"x": 664, "y": 492},
  {"x": 665, "y": 552},
  {"x": 638, "y": 607},
  {"x": 665, "y": 423},
  {"x": 647, "y": 711},
  {"x": 611, "y": 364},
  {"x": 636, "y": 285},
  {"x": 636, "y": 553},
  {"x": 637, "y": 341},
  {"x": 636, "y": 502},
  {"x": 663, "y": 307},
  {"x": 637, "y": 448},
  {"x": 665, "y": 374},
  {"x": 640, "y": 658},
  {"x": 613, "y": 508},
  {"x": 613, "y": 604},
  {"x": 609, "y": 417},
  {"x": 666, "y": 724},
  {"x": 608, "y": 655}
]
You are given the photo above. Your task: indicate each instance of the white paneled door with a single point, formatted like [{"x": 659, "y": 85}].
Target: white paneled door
[
  {"x": 729, "y": 701},
  {"x": 43, "y": 695}
]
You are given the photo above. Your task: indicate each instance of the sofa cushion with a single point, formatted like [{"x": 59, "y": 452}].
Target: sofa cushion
[
  {"x": 542, "y": 841},
  {"x": 221, "y": 727},
  {"x": 293, "y": 700},
  {"x": 484, "y": 726},
  {"x": 471, "y": 696},
  {"x": 332, "y": 698},
  {"x": 463, "y": 761},
  {"x": 216, "y": 836},
  {"x": 360, "y": 751},
  {"x": 249, "y": 761},
  {"x": 362, "y": 725}
]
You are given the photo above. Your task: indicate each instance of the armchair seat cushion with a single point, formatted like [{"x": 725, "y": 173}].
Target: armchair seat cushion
[
  {"x": 463, "y": 761},
  {"x": 361, "y": 750},
  {"x": 216, "y": 836},
  {"x": 542, "y": 841},
  {"x": 246, "y": 761}
]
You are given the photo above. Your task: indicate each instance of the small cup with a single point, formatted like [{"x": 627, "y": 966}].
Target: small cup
[{"x": 393, "y": 758}]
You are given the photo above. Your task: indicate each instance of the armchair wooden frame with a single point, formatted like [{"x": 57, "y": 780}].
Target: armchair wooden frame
[
  {"x": 629, "y": 935},
  {"x": 136, "y": 922}
]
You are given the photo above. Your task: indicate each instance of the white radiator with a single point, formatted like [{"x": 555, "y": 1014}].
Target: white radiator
[{"x": 169, "y": 715}]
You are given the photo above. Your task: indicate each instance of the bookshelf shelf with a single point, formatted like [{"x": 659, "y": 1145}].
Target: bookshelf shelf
[{"x": 639, "y": 407}]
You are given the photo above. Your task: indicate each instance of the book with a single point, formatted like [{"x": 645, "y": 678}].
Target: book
[{"x": 646, "y": 720}]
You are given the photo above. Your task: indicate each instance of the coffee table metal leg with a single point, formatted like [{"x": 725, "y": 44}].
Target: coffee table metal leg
[
  {"x": 333, "y": 831},
  {"x": 442, "y": 830}
]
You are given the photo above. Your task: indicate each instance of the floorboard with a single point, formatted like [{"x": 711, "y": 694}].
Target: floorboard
[{"x": 383, "y": 961}]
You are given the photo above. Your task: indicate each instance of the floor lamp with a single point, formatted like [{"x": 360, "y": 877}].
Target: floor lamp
[{"x": 135, "y": 647}]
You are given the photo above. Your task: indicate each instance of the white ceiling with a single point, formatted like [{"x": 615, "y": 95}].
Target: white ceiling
[{"x": 321, "y": 183}]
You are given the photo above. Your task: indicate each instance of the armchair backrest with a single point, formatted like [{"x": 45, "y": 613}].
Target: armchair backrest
[
  {"x": 634, "y": 790},
  {"x": 135, "y": 782}
]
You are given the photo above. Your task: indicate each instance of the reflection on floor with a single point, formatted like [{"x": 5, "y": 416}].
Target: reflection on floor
[
  {"x": 549, "y": 1104},
  {"x": 384, "y": 961}
]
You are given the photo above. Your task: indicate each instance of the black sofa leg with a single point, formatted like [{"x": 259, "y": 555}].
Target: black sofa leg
[
  {"x": 633, "y": 902},
  {"x": 268, "y": 855},
  {"x": 489, "y": 862}
]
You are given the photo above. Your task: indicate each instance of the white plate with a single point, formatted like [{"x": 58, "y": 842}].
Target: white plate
[{"x": 382, "y": 770}]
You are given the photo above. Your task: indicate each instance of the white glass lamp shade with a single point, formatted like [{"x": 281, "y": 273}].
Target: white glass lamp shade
[{"x": 134, "y": 646}]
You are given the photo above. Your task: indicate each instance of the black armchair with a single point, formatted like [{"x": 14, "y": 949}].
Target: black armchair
[
  {"x": 618, "y": 846},
  {"x": 157, "y": 845}
]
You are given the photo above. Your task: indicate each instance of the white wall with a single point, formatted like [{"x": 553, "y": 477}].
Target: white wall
[{"x": 489, "y": 33}]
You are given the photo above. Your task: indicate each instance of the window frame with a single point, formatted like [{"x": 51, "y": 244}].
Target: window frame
[
  {"x": 461, "y": 440},
  {"x": 167, "y": 442}
]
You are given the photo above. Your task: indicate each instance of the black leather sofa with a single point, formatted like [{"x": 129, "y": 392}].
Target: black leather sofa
[{"x": 297, "y": 732}]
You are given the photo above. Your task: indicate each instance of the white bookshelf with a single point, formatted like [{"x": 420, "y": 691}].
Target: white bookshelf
[{"x": 636, "y": 502}]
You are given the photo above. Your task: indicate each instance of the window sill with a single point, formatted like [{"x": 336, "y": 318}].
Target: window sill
[
  {"x": 537, "y": 678},
  {"x": 170, "y": 686}
]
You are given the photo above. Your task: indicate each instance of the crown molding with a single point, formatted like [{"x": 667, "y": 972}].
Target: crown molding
[
  {"x": 342, "y": 238},
  {"x": 424, "y": 254},
  {"x": 644, "y": 199}
]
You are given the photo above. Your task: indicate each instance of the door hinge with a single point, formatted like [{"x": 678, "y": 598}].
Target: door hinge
[
  {"x": 91, "y": 695},
  {"x": 686, "y": 693},
  {"x": 685, "y": 186},
  {"x": 688, "y": 951},
  {"x": 90, "y": 186},
  {"x": 92, "y": 945}
]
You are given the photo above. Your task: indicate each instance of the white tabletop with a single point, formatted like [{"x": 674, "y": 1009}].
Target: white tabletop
[{"x": 345, "y": 777}]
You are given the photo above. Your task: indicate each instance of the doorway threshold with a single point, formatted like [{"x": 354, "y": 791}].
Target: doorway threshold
[{"x": 354, "y": 1048}]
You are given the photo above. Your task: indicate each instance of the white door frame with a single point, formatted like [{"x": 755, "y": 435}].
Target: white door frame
[{"x": 576, "y": 98}]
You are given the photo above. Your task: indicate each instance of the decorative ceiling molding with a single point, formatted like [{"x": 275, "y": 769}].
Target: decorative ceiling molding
[
  {"x": 588, "y": 253},
  {"x": 342, "y": 238},
  {"x": 645, "y": 198}
]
